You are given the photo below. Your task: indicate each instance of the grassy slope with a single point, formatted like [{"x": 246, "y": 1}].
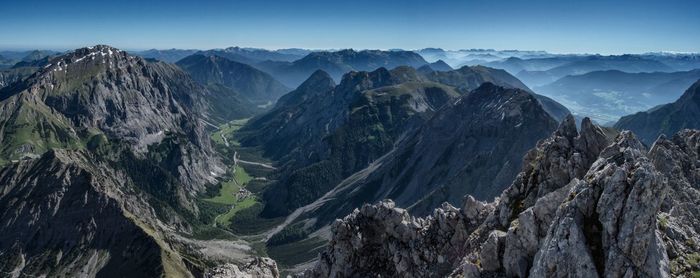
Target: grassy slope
[{"x": 241, "y": 178}]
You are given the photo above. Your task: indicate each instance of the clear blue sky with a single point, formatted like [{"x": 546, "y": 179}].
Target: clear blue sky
[{"x": 561, "y": 26}]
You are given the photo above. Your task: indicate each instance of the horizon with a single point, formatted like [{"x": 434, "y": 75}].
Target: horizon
[
  {"x": 557, "y": 27},
  {"x": 65, "y": 50}
]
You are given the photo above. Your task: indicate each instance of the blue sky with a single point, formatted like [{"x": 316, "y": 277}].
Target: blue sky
[{"x": 560, "y": 26}]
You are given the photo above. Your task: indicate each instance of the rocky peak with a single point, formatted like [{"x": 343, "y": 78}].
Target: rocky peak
[
  {"x": 318, "y": 83},
  {"x": 552, "y": 164},
  {"x": 382, "y": 239},
  {"x": 678, "y": 158},
  {"x": 256, "y": 268},
  {"x": 319, "y": 80},
  {"x": 363, "y": 80},
  {"x": 595, "y": 231}
]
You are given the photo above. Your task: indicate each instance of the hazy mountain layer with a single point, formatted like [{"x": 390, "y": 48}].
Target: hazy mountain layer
[
  {"x": 607, "y": 95},
  {"x": 253, "y": 84},
  {"x": 666, "y": 119},
  {"x": 338, "y": 63}
]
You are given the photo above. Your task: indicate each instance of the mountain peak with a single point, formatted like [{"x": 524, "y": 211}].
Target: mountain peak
[
  {"x": 99, "y": 54},
  {"x": 318, "y": 78},
  {"x": 567, "y": 128}
]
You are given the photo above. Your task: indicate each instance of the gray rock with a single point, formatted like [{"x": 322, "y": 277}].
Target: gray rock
[
  {"x": 257, "y": 268},
  {"x": 608, "y": 225}
]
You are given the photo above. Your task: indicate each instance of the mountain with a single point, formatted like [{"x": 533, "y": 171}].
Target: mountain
[
  {"x": 471, "y": 57},
  {"x": 678, "y": 61},
  {"x": 321, "y": 133},
  {"x": 105, "y": 156},
  {"x": 256, "y": 55},
  {"x": 468, "y": 78},
  {"x": 584, "y": 205},
  {"x": 626, "y": 63},
  {"x": 6, "y": 62},
  {"x": 445, "y": 159},
  {"x": 666, "y": 119},
  {"x": 338, "y": 63},
  {"x": 63, "y": 214},
  {"x": 38, "y": 55},
  {"x": 9, "y": 59},
  {"x": 9, "y": 76},
  {"x": 607, "y": 95},
  {"x": 252, "y": 84},
  {"x": 514, "y": 65},
  {"x": 167, "y": 55},
  {"x": 438, "y": 65}
]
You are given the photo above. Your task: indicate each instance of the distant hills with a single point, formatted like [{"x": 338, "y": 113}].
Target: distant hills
[
  {"x": 337, "y": 63},
  {"x": 469, "y": 57},
  {"x": 257, "y": 55},
  {"x": 253, "y": 85},
  {"x": 607, "y": 95},
  {"x": 9, "y": 59},
  {"x": 438, "y": 65},
  {"x": 167, "y": 55},
  {"x": 625, "y": 63},
  {"x": 666, "y": 119}
]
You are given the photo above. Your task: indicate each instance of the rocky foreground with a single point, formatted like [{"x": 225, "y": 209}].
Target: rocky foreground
[{"x": 584, "y": 205}]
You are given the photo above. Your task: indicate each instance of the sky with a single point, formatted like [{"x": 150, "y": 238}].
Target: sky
[{"x": 558, "y": 26}]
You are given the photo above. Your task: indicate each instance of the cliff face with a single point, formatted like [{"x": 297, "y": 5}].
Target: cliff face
[
  {"x": 102, "y": 92},
  {"x": 65, "y": 213},
  {"x": 584, "y": 205}
]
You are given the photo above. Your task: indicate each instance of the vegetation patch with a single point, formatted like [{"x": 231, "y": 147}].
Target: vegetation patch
[
  {"x": 290, "y": 233},
  {"x": 249, "y": 222}
]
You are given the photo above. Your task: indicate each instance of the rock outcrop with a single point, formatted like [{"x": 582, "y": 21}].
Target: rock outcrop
[
  {"x": 257, "y": 268},
  {"x": 678, "y": 158},
  {"x": 383, "y": 240},
  {"x": 607, "y": 225}
]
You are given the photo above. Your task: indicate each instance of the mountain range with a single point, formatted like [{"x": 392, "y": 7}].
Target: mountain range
[
  {"x": 337, "y": 63},
  {"x": 666, "y": 119},
  {"x": 605, "y": 96},
  {"x": 189, "y": 163},
  {"x": 239, "y": 90}
]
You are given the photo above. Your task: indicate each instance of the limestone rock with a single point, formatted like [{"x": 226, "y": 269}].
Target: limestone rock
[{"x": 257, "y": 268}]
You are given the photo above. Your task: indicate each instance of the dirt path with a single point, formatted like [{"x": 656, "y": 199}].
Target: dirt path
[{"x": 236, "y": 160}]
